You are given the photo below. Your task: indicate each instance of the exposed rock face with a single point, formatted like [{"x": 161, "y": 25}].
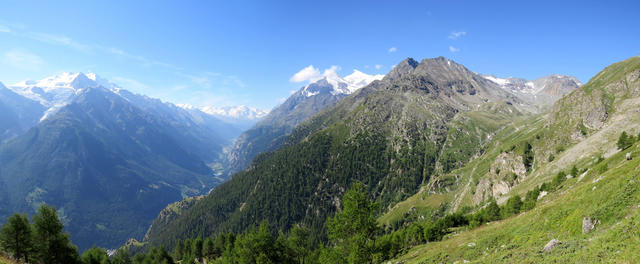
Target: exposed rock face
[
  {"x": 172, "y": 211},
  {"x": 506, "y": 171},
  {"x": 552, "y": 244}
]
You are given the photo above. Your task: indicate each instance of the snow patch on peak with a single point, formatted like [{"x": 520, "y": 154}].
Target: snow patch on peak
[
  {"x": 54, "y": 92},
  {"x": 494, "y": 79},
  {"x": 341, "y": 85}
]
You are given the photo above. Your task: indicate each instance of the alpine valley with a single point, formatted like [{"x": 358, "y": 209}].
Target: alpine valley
[{"x": 429, "y": 163}]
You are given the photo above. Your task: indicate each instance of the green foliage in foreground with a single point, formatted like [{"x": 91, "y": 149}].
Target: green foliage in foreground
[{"x": 43, "y": 242}]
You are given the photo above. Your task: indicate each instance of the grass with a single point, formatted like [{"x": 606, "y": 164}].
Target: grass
[
  {"x": 613, "y": 200},
  {"x": 4, "y": 259}
]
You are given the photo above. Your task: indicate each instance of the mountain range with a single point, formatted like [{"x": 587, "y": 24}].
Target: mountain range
[
  {"x": 420, "y": 121},
  {"x": 108, "y": 159},
  {"x": 105, "y": 156}
]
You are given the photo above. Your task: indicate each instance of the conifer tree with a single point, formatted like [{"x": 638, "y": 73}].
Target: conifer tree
[
  {"x": 53, "y": 246},
  {"x": 16, "y": 237}
]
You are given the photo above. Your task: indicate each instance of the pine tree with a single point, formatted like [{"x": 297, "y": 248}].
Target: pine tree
[
  {"x": 513, "y": 206},
  {"x": 16, "y": 237},
  {"x": 53, "y": 246},
  {"x": 178, "y": 250},
  {"x": 122, "y": 257},
  {"x": 625, "y": 141},
  {"x": 208, "y": 249},
  {"x": 352, "y": 229},
  {"x": 196, "y": 248},
  {"x": 300, "y": 243},
  {"x": 95, "y": 255}
]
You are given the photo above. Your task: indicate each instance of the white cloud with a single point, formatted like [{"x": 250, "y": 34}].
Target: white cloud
[
  {"x": 331, "y": 72},
  {"x": 453, "y": 49},
  {"x": 393, "y": 49},
  {"x": 313, "y": 74},
  {"x": 457, "y": 34},
  {"x": 23, "y": 60},
  {"x": 306, "y": 74},
  {"x": 378, "y": 66},
  {"x": 5, "y": 29},
  {"x": 292, "y": 92}
]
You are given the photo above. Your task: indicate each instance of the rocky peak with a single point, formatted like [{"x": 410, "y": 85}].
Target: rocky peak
[{"x": 404, "y": 67}]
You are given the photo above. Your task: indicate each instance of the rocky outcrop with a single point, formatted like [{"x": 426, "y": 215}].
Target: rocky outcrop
[{"x": 506, "y": 171}]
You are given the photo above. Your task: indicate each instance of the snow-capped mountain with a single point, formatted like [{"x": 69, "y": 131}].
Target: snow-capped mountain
[
  {"x": 340, "y": 85},
  {"x": 241, "y": 116},
  {"x": 523, "y": 86},
  {"x": 58, "y": 89},
  {"x": 542, "y": 91},
  {"x": 236, "y": 112}
]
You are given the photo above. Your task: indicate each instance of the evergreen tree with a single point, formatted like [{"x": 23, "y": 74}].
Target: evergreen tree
[
  {"x": 208, "y": 249},
  {"x": 122, "y": 257},
  {"x": 492, "y": 211},
  {"x": 53, "y": 246},
  {"x": 178, "y": 250},
  {"x": 513, "y": 206},
  {"x": 95, "y": 255},
  {"x": 300, "y": 243},
  {"x": 196, "y": 248},
  {"x": 527, "y": 156},
  {"x": 259, "y": 246},
  {"x": 625, "y": 141},
  {"x": 16, "y": 237},
  {"x": 352, "y": 229},
  {"x": 574, "y": 171}
]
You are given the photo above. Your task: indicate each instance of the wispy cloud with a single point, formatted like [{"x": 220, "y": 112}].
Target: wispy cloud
[
  {"x": 457, "y": 34},
  {"x": 65, "y": 41},
  {"x": 130, "y": 84},
  {"x": 378, "y": 66},
  {"x": 5, "y": 29},
  {"x": 453, "y": 49},
  {"x": 59, "y": 40},
  {"x": 22, "y": 60},
  {"x": 393, "y": 49},
  {"x": 144, "y": 61}
]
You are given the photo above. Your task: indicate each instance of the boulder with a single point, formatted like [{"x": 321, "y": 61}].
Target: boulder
[
  {"x": 588, "y": 225},
  {"x": 552, "y": 244}
]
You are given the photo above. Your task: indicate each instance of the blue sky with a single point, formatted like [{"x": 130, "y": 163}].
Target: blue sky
[{"x": 245, "y": 52}]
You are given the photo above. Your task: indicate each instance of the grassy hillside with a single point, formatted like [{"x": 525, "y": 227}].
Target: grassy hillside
[{"x": 608, "y": 192}]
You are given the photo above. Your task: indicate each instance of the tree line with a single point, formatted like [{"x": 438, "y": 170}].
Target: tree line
[{"x": 353, "y": 236}]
